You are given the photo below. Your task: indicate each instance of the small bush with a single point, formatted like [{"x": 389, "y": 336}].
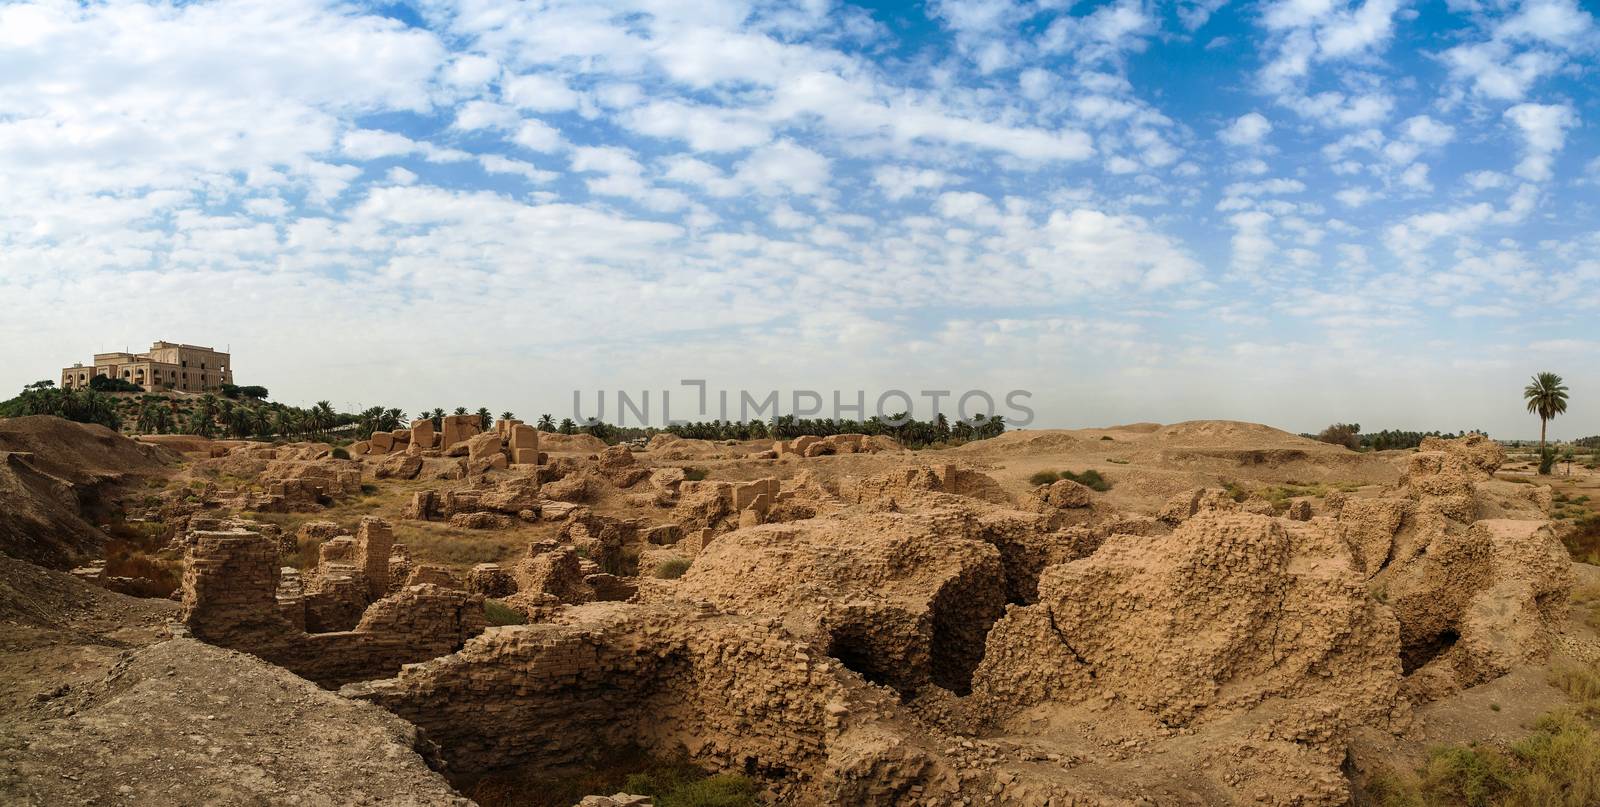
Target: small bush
[
  {"x": 1117, "y": 462},
  {"x": 722, "y": 790},
  {"x": 1583, "y": 542},
  {"x": 1546, "y": 461},
  {"x": 1236, "y": 491},
  {"x": 1090, "y": 479},
  {"x": 672, "y": 568},
  {"x": 1105, "y": 437},
  {"x": 340, "y": 454},
  {"x": 368, "y": 489},
  {"x": 695, "y": 474},
  {"x": 1582, "y": 684},
  {"x": 1558, "y": 765},
  {"x": 498, "y": 614},
  {"x": 1043, "y": 478}
]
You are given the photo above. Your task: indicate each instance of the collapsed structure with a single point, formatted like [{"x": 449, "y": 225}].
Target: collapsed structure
[
  {"x": 347, "y": 623},
  {"x": 900, "y": 638}
]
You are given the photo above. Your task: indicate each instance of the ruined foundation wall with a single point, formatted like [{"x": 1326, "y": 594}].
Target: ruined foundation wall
[
  {"x": 230, "y": 598},
  {"x": 731, "y": 693}
]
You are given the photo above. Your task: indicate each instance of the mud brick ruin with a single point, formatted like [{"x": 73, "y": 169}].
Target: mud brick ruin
[
  {"x": 844, "y": 628},
  {"x": 344, "y": 627}
]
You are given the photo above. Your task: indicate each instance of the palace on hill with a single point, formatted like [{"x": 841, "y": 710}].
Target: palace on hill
[{"x": 166, "y": 365}]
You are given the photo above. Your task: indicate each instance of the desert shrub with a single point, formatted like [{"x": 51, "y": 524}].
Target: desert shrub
[
  {"x": 1105, "y": 437},
  {"x": 1583, "y": 542},
  {"x": 498, "y": 613},
  {"x": 695, "y": 474},
  {"x": 1342, "y": 434},
  {"x": 1547, "y": 460},
  {"x": 1043, "y": 478},
  {"x": 722, "y": 790},
  {"x": 1582, "y": 684},
  {"x": 368, "y": 489},
  {"x": 1236, "y": 491},
  {"x": 1090, "y": 479},
  {"x": 683, "y": 786},
  {"x": 1465, "y": 775},
  {"x": 1558, "y": 764},
  {"x": 340, "y": 453},
  {"x": 672, "y": 568}
]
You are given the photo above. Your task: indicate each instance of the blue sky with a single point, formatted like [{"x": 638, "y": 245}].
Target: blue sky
[{"x": 1292, "y": 212}]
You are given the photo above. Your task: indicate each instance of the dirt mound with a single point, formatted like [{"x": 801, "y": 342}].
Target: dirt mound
[
  {"x": 1141, "y": 427},
  {"x": 1025, "y": 442},
  {"x": 1228, "y": 434},
  {"x": 182, "y": 722},
  {"x": 80, "y": 453},
  {"x": 903, "y": 599},
  {"x": 580, "y": 443},
  {"x": 101, "y": 706},
  {"x": 56, "y": 479},
  {"x": 186, "y": 443}
]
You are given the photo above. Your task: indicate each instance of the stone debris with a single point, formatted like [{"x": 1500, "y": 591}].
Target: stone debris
[
  {"x": 895, "y": 637},
  {"x": 231, "y": 589}
]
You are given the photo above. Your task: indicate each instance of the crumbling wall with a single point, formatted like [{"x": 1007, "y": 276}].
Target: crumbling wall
[
  {"x": 231, "y": 590},
  {"x": 1226, "y": 612},
  {"x": 905, "y": 589},
  {"x": 730, "y": 693}
]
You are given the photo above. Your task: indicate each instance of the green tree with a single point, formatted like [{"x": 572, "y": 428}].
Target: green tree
[
  {"x": 567, "y": 426},
  {"x": 200, "y": 423},
  {"x": 485, "y": 420},
  {"x": 547, "y": 423},
  {"x": 461, "y": 410},
  {"x": 1546, "y": 397},
  {"x": 508, "y": 415}
]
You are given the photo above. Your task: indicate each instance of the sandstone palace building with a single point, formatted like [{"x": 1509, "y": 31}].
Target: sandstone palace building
[{"x": 166, "y": 365}]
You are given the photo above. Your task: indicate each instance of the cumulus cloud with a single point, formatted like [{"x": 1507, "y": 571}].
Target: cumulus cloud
[
  {"x": 1544, "y": 131},
  {"x": 769, "y": 178},
  {"x": 1246, "y": 130}
]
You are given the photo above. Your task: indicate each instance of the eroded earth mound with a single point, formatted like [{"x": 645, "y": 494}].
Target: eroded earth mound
[{"x": 1231, "y": 615}]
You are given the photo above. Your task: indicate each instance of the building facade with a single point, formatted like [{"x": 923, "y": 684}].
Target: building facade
[{"x": 166, "y": 365}]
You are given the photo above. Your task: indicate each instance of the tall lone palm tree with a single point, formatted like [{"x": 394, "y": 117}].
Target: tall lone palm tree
[{"x": 1546, "y": 397}]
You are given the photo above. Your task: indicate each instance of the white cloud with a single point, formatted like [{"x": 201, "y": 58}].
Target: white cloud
[
  {"x": 536, "y": 135},
  {"x": 785, "y": 167},
  {"x": 1246, "y": 130},
  {"x": 900, "y": 181},
  {"x": 1544, "y": 131},
  {"x": 485, "y": 115},
  {"x": 1356, "y": 197},
  {"x": 539, "y": 92}
]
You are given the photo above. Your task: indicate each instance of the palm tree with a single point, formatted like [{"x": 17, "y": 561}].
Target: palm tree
[
  {"x": 461, "y": 410},
  {"x": 286, "y": 421},
  {"x": 1546, "y": 397},
  {"x": 322, "y": 417},
  {"x": 508, "y": 415},
  {"x": 547, "y": 423},
  {"x": 484, "y": 418}
]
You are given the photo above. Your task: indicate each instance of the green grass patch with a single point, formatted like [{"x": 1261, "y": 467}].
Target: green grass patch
[
  {"x": 1557, "y": 765},
  {"x": 1043, "y": 478},
  {"x": 1583, "y": 542},
  {"x": 1090, "y": 479},
  {"x": 499, "y": 614},
  {"x": 672, "y": 568}
]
